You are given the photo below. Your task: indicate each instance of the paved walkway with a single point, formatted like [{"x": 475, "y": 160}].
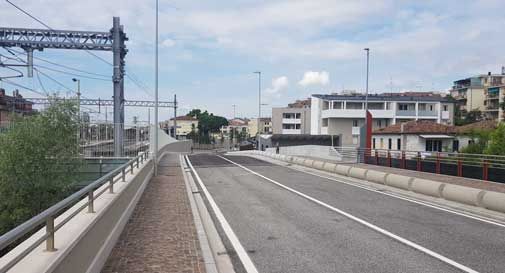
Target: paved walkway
[
  {"x": 161, "y": 234},
  {"x": 463, "y": 181}
]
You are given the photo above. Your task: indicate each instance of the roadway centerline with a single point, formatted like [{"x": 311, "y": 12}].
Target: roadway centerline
[
  {"x": 361, "y": 221},
  {"x": 241, "y": 253}
]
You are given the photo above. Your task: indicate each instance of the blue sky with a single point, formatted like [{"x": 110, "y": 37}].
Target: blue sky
[{"x": 209, "y": 49}]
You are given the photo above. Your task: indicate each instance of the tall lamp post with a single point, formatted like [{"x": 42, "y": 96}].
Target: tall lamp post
[
  {"x": 155, "y": 151},
  {"x": 78, "y": 97},
  {"x": 368, "y": 141},
  {"x": 259, "y": 105}
]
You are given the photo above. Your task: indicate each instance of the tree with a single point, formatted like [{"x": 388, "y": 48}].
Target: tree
[
  {"x": 463, "y": 117},
  {"x": 38, "y": 163},
  {"x": 207, "y": 123},
  {"x": 496, "y": 144}
]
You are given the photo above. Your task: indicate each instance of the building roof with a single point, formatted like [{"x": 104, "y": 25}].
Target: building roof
[
  {"x": 387, "y": 97},
  {"x": 237, "y": 122},
  {"x": 485, "y": 125},
  {"x": 188, "y": 118},
  {"x": 300, "y": 103},
  {"x": 417, "y": 127}
]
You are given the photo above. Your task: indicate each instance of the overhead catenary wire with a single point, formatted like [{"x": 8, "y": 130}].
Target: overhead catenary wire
[{"x": 134, "y": 81}]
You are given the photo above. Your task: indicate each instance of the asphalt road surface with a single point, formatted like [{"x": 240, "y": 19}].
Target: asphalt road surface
[{"x": 312, "y": 224}]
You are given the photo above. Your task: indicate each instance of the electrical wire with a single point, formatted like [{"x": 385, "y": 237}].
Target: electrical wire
[
  {"x": 136, "y": 82},
  {"x": 40, "y": 83},
  {"x": 22, "y": 86}
]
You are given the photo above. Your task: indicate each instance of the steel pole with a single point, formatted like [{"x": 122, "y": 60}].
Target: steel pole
[
  {"x": 155, "y": 152},
  {"x": 366, "y": 92},
  {"x": 117, "y": 80},
  {"x": 175, "y": 116}
]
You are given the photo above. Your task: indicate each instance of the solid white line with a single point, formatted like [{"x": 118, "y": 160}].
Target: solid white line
[
  {"x": 363, "y": 222},
  {"x": 241, "y": 253},
  {"x": 424, "y": 203}
]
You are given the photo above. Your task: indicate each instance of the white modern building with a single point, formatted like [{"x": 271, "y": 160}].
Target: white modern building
[{"x": 344, "y": 115}]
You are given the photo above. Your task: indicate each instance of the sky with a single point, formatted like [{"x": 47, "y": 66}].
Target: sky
[{"x": 209, "y": 49}]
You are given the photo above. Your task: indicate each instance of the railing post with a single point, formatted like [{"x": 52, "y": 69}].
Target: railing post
[
  {"x": 404, "y": 165},
  {"x": 376, "y": 157},
  {"x": 50, "y": 234},
  {"x": 460, "y": 168},
  {"x": 438, "y": 163},
  {"x": 419, "y": 161},
  {"x": 131, "y": 167},
  {"x": 390, "y": 163},
  {"x": 111, "y": 185},
  {"x": 123, "y": 175},
  {"x": 137, "y": 162},
  {"x": 485, "y": 170},
  {"x": 91, "y": 200}
]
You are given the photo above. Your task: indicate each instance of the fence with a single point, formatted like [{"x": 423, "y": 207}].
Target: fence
[
  {"x": 47, "y": 217},
  {"x": 478, "y": 166}
]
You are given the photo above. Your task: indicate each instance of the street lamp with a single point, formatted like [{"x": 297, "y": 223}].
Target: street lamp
[
  {"x": 259, "y": 102},
  {"x": 155, "y": 152},
  {"x": 78, "y": 96},
  {"x": 368, "y": 143}
]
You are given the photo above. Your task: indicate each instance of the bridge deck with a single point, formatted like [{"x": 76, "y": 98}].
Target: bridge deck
[{"x": 161, "y": 234}]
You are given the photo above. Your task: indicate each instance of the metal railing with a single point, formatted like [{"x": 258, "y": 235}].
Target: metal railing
[
  {"x": 47, "y": 217},
  {"x": 480, "y": 166}
]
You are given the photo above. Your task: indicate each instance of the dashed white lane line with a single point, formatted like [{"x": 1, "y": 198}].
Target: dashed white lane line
[
  {"x": 363, "y": 222},
  {"x": 241, "y": 253}
]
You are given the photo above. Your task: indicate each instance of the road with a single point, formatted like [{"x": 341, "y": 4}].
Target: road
[{"x": 292, "y": 221}]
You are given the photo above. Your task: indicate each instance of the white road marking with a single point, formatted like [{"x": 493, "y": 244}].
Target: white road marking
[
  {"x": 242, "y": 254},
  {"x": 424, "y": 203},
  {"x": 363, "y": 222}
]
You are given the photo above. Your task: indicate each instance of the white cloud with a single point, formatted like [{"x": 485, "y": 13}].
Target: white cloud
[
  {"x": 278, "y": 84},
  {"x": 315, "y": 78},
  {"x": 168, "y": 43}
]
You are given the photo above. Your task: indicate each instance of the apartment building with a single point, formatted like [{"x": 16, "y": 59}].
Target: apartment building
[
  {"x": 15, "y": 105},
  {"x": 483, "y": 93},
  {"x": 185, "y": 125},
  {"x": 344, "y": 115},
  {"x": 265, "y": 126},
  {"x": 292, "y": 120}
]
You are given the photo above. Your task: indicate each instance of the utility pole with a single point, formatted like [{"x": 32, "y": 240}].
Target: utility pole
[
  {"x": 78, "y": 97},
  {"x": 155, "y": 152},
  {"x": 175, "y": 116},
  {"x": 234, "y": 116},
  {"x": 366, "y": 92},
  {"x": 259, "y": 105}
]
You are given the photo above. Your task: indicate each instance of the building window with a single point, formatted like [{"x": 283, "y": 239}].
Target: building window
[
  {"x": 379, "y": 123},
  {"x": 297, "y": 126},
  {"x": 433, "y": 145},
  {"x": 431, "y": 107},
  {"x": 403, "y": 107},
  {"x": 297, "y": 116},
  {"x": 337, "y": 105},
  {"x": 390, "y": 144},
  {"x": 355, "y": 123},
  {"x": 325, "y": 122},
  {"x": 446, "y": 107},
  {"x": 382, "y": 143},
  {"x": 398, "y": 144},
  {"x": 354, "y": 139},
  {"x": 373, "y": 143}
]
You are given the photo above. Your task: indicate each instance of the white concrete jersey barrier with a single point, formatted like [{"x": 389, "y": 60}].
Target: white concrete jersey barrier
[
  {"x": 318, "y": 165},
  {"x": 399, "y": 181},
  {"x": 308, "y": 162},
  {"x": 343, "y": 169},
  {"x": 428, "y": 187},
  {"x": 463, "y": 195},
  {"x": 358, "y": 173},
  {"x": 376, "y": 176},
  {"x": 494, "y": 201},
  {"x": 329, "y": 167}
]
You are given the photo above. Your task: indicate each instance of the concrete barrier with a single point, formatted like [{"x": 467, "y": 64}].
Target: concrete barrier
[
  {"x": 358, "y": 173},
  {"x": 463, "y": 195},
  {"x": 428, "y": 187},
  {"x": 329, "y": 167},
  {"x": 494, "y": 200},
  {"x": 399, "y": 181},
  {"x": 318, "y": 165},
  {"x": 342, "y": 169},
  {"x": 308, "y": 162},
  {"x": 289, "y": 158},
  {"x": 376, "y": 176}
]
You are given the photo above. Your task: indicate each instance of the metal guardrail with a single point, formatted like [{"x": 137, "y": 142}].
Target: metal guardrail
[
  {"x": 48, "y": 216},
  {"x": 438, "y": 160}
]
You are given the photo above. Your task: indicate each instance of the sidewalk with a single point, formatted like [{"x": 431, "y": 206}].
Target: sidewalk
[
  {"x": 161, "y": 235},
  {"x": 468, "y": 182}
]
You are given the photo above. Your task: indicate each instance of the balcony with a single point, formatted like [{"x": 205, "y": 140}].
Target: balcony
[
  {"x": 427, "y": 113},
  {"x": 291, "y": 131},
  {"x": 406, "y": 113},
  {"x": 291, "y": 121},
  {"x": 356, "y": 113}
]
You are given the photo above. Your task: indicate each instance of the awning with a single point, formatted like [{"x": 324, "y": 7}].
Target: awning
[{"x": 436, "y": 136}]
